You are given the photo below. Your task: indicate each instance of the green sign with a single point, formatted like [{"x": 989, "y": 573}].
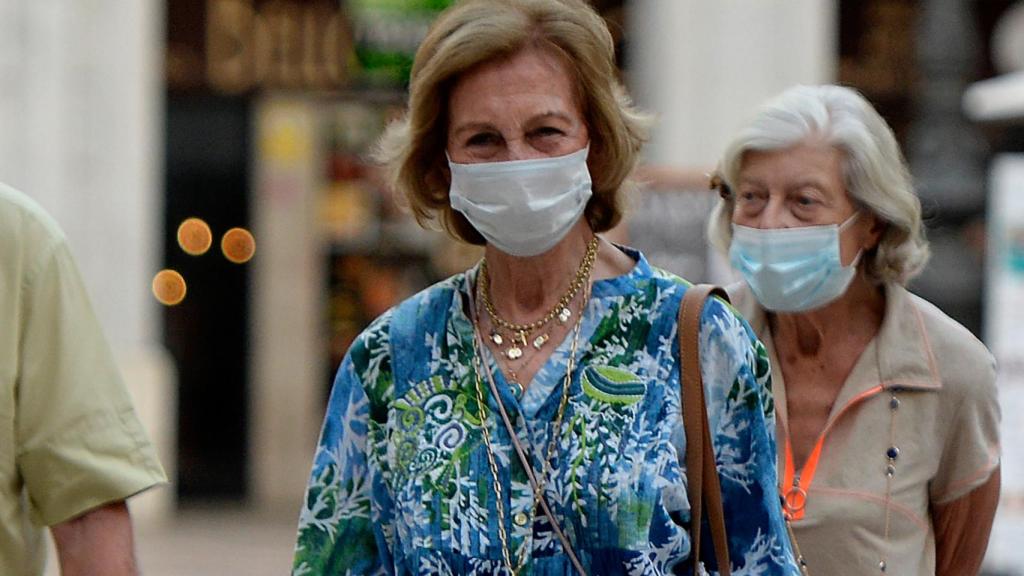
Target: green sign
[{"x": 387, "y": 34}]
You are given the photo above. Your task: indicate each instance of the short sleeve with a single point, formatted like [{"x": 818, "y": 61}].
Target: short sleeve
[
  {"x": 971, "y": 452},
  {"x": 80, "y": 444}
]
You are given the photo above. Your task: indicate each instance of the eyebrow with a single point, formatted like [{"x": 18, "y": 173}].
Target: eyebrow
[
  {"x": 473, "y": 127},
  {"x": 483, "y": 126},
  {"x": 803, "y": 183},
  {"x": 808, "y": 183}
]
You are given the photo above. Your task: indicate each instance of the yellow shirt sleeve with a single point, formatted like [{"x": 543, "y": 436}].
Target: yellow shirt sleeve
[{"x": 79, "y": 442}]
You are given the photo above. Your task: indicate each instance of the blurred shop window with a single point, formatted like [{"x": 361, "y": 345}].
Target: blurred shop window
[
  {"x": 876, "y": 55},
  {"x": 910, "y": 58},
  {"x": 237, "y": 47},
  {"x": 346, "y": 63},
  {"x": 330, "y": 74},
  {"x": 377, "y": 254}
]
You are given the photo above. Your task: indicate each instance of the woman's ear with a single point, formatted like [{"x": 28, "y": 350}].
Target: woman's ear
[{"x": 873, "y": 227}]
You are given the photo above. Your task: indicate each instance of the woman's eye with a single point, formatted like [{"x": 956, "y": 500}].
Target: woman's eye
[
  {"x": 483, "y": 139},
  {"x": 749, "y": 196},
  {"x": 806, "y": 201},
  {"x": 547, "y": 131}
]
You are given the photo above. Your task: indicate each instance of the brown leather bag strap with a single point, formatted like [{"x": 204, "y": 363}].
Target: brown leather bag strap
[{"x": 702, "y": 473}]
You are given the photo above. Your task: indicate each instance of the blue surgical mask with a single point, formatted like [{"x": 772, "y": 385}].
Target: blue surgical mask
[
  {"x": 792, "y": 269},
  {"x": 522, "y": 207}
]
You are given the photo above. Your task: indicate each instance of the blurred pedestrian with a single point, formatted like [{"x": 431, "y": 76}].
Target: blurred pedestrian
[
  {"x": 71, "y": 448},
  {"x": 888, "y": 415}
]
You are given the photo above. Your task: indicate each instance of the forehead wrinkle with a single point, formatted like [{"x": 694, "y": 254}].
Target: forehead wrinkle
[{"x": 752, "y": 180}]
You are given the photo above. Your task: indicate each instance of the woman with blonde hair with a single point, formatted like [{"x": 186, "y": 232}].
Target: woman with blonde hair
[
  {"x": 888, "y": 421},
  {"x": 524, "y": 417}
]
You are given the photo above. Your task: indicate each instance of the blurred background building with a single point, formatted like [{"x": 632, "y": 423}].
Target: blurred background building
[{"x": 125, "y": 118}]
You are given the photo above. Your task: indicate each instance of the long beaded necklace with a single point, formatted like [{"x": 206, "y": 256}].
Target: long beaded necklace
[
  {"x": 552, "y": 443},
  {"x": 795, "y": 499},
  {"x": 518, "y": 336}
]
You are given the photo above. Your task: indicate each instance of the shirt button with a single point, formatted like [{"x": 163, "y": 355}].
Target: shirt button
[{"x": 520, "y": 519}]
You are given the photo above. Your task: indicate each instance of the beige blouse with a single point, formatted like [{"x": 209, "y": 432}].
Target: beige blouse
[{"x": 944, "y": 427}]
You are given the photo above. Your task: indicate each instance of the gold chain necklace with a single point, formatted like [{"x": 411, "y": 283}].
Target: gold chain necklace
[
  {"x": 552, "y": 443},
  {"x": 519, "y": 334}
]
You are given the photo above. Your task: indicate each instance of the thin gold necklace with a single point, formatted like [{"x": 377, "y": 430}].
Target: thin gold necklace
[
  {"x": 519, "y": 335},
  {"x": 552, "y": 444}
]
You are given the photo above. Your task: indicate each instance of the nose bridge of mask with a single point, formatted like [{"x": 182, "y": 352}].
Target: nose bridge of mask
[
  {"x": 772, "y": 245},
  {"x": 490, "y": 182},
  {"x": 504, "y": 168},
  {"x": 784, "y": 241},
  {"x": 823, "y": 242}
]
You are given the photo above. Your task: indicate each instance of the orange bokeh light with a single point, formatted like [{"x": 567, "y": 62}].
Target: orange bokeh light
[
  {"x": 194, "y": 236},
  {"x": 238, "y": 245},
  {"x": 169, "y": 287}
]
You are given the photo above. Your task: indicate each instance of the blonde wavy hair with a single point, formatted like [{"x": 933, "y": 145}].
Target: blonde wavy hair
[
  {"x": 874, "y": 171},
  {"x": 474, "y": 32}
]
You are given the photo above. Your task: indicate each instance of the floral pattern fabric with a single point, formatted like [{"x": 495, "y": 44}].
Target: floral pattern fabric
[{"x": 401, "y": 482}]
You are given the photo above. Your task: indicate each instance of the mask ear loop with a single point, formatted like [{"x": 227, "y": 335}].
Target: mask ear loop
[
  {"x": 846, "y": 224},
  {"x": 849, "y": 221},
  {"x": 856, "y": 259}
]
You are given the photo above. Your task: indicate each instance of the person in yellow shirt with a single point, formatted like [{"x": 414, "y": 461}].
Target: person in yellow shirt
[{"x": 71, "y": 447}]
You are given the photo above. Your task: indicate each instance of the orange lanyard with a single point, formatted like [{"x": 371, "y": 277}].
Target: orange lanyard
[{"x": 794, "y": 486}]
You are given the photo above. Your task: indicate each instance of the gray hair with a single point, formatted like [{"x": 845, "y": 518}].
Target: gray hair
[{"x": 874, "y": 171}]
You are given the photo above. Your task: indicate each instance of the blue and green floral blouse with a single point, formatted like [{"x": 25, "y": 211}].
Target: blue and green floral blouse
[{"x": 401, "y": 482}]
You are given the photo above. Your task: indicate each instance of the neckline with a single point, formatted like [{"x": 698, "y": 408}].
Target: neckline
[
  {"x": 542, "y": 387},
  {"x": 905, "y": 354}
]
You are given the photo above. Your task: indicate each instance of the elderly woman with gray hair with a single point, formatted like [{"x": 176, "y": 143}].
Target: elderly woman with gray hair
[{"x": 887, "y": 412}]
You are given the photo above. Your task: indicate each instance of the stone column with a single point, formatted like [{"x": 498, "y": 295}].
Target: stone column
[
  {"x": 289, "y": 307},
  {"x": 80, "y": 109},
  {"x": 702, "y": 67}
]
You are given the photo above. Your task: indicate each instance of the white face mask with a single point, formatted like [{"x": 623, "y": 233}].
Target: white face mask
[{"x": 523, "y": 207}]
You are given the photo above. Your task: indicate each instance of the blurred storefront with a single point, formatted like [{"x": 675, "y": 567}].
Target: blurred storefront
[
  {"x": 996, "y": 104},
  {"x": 272, "y": 108}
]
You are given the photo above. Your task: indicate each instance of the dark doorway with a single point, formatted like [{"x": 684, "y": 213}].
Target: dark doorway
[{"x": 207, "y": 176}]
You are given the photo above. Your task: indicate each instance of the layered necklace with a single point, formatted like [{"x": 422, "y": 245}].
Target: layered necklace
[
  {"x": 515, "y": 338},
  {"x": 582, "y": 280}
]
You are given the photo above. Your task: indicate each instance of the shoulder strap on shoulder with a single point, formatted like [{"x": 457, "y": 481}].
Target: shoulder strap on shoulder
[{"x": 702, "y": 473}]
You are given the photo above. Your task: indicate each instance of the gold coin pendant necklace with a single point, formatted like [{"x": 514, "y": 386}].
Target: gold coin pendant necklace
[{"x": 516, "y": 338}]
